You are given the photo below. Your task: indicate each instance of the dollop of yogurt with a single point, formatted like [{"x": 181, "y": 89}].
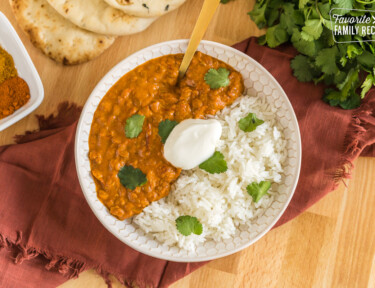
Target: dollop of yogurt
[{"x": 192, "y": 142}]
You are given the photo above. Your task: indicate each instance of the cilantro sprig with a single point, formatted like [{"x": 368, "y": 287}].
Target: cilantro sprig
[
  {"x": 258, "y": 190},
  {"x": 188, "y": 224},
  {"x": 165, "y": 128},
  {"x": 308, "y": 26},
  {"x": 131, "y": 177},
  {"x": 249, "y": 123},
  {"x": 134, "y": 126},
  {"x": 217, "y": 78},
  {"x": 215, "y": 164}
]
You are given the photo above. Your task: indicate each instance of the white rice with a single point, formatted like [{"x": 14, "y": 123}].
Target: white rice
[{"x": 220, "y": 201}]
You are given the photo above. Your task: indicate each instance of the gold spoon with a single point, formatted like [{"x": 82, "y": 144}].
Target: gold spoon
[{"x": 208, "y": 10}]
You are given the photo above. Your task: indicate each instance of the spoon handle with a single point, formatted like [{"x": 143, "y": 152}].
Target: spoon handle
[{"x": 208, "y": 10}]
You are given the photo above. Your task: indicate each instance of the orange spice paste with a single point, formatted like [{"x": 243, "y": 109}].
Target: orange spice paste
[{"x": 14, "y": 91}]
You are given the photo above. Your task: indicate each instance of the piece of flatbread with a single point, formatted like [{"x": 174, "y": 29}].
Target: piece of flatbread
[
  {"x": 145, "y": 8},
  {"x": 97, "y": 16},
  {"x": 59, "y": 39}
]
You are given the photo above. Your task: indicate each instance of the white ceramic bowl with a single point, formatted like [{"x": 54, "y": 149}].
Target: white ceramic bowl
[
  {"x": 257, "y": 82},
  {"x": 10, "y": 41}
]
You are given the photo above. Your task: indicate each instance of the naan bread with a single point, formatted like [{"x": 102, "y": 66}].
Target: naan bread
[
  {"x": 56, "y": 36},
  {"x": 145, "y": 8},
  {"x": 97, "y": 16}
]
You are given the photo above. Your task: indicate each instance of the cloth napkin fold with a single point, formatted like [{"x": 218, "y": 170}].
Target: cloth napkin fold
[{"x": 47, "y": 228}]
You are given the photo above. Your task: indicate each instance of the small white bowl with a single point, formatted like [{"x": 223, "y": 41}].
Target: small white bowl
[
  {"x": 10, "y": 41},
  {"x": 258, "y": 81}
]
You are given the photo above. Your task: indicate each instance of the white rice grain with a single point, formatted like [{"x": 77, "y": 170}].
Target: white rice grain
[{"x": 220, "y": 201}]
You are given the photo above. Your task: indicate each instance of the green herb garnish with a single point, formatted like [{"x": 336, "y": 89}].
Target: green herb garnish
[
  {"x": 134, "y": 125},
  {"x": 367, "y": 84},
  {"x": 131, "y": 177},
  {"x": 312, "y": 29},
  {"x": 326, "y": 61},
  {"x": 303, "y": 68},
  {"x": 215, "y": 164},
  {"x": 217, "y": 78},
  {"x": 258, "y": 190},
  {"x": 338, "y": 63},
  {"x": 188, "y": 224},
  {"x": 165, "y": 128},
  {"x": 249, "y": 123}
]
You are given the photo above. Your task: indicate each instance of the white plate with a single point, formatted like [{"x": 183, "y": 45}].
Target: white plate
[
  {"x": 10, "y": 41},
  {"x": 257, "y": 82}
]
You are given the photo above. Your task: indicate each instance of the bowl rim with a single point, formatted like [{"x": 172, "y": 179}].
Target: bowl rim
[
  {"x": 191, "y": 259},
  {"x": 13, "y": 118}
]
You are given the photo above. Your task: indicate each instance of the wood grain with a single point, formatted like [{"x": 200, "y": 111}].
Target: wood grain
[{"x": 330, "y": 245}]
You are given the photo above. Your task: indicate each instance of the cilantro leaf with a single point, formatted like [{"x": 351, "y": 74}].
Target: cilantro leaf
[
  {"x": 351, "y": 82},
  {"x": 329, "y": 24},
  {"x": 326, "y": 59},
  {"x": 324, "y": 10},
  {"x": 276, "y": 36},
  {"x": 366, "y": 59},
  {"x": 367, "y": 84},
  {"x": 370, "y": 45},
  {"x": 291, "y": 18},
  {"x": 258, "y": 14},
  {"x": 353, "y": 51},
  {"x": 332, "y": 97},
  {"x": 346, "y": 5},
  {"x": 312, "y": 30},
  {"x": 217, "y": 78},
  {"x": 303, "y": 68},
  {"x": 249, "y": 123},
  {"x": 339, "y": 77},
  {"x": 357, "y": 5},
  {"x": 343, "y": 61},
  {"x": 352, "y": 102},
  {"x": 327, "y": 38},
  {"x": 262, "y": 40},
  {"x": 305, "y": 47},
  {"x": 131, "y": 177},
  {"x": 346, "y": 97},
  {"x": 134, "y": 125},
  {"x": 215, "y": 164},
  {"x": 258, "y": 190},
  {"x": 188, "y": 224},
  {"x": 273, "y": 11},
  {"x": 302, "y": 3},
  {"x": 165, "y": 128}
]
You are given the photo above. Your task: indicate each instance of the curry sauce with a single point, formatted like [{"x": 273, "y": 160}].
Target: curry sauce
[{"x": 150, "y": 90}]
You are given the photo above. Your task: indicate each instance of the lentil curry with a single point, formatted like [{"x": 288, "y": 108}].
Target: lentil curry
[{"x": 150, "y": 90}]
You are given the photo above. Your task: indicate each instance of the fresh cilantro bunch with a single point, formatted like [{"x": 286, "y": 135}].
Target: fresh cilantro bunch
[{"x": 347, "y": 68}]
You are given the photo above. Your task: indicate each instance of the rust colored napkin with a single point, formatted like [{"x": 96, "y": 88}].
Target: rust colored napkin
[{"x": 48, "y": 233}]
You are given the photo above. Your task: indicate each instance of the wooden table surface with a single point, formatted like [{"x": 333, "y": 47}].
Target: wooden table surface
[{"x": 330, "y": 245}]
